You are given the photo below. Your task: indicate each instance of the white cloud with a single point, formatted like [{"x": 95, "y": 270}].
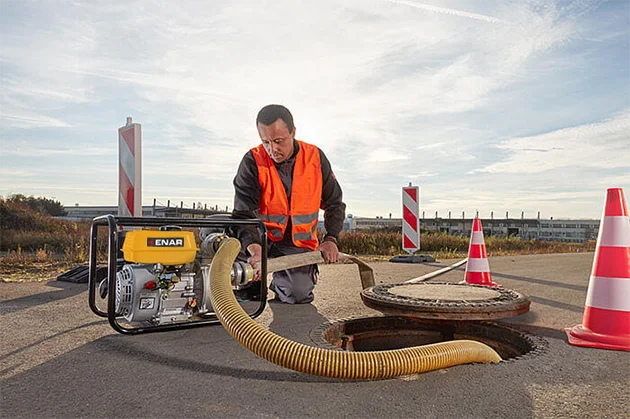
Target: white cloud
[
  {"x": 385, "y": 155},
  {"x": 29, "y": 120},
  {"x": 51, "y": 152},
  {"x": 390, "y": 90},
  {"x": 444, "y": 10},
  {"x": 602, "y": 145}
]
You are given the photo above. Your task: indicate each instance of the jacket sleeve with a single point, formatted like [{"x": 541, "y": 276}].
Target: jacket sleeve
[
  {"x": 246, "y": 199},
  {"x": 332, "y": 200}
]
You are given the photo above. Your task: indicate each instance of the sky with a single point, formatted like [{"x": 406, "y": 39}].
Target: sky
[{"x": 488, "y": 106}]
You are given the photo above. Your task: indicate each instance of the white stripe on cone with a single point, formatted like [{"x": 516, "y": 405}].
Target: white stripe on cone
[
  {"x": 615, "y": 231},
  {"x": 600, "y": 296},
  {"x": 477, "y": 265},
  {"x": 477, "y": 237}
]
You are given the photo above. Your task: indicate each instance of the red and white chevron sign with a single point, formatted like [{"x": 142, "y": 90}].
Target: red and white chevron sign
[
  {"x": 130, "y": 170},
  {"x": 411, "y": 223}
]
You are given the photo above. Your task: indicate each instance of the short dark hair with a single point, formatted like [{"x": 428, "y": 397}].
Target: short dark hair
[{"x": 271, "y": 113}]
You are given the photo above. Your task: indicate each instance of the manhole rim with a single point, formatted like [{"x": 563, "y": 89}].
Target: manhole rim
[
  {"x": 509, "y": 303},
  {"x": 538, "y": 344}
]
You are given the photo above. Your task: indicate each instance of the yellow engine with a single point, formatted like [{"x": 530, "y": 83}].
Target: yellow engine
[
  {"x": 167, "y": 277},
  {"x": 165, "y": 247}
]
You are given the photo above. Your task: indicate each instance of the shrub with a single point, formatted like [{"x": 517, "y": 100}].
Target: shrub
[
  {"x": 385, "y": 243},
  {"x": 39, "y": 204}
]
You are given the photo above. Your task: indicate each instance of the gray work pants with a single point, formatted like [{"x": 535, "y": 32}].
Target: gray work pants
[{"x": 293, "y": 286}]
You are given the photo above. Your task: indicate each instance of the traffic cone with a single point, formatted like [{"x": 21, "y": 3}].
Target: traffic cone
[
  {"x": 606, "y": 321},
  {"x": 477, "y": 267}
]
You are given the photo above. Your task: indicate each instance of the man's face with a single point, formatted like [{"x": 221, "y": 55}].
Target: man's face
[{"x": 277, "y": 140}]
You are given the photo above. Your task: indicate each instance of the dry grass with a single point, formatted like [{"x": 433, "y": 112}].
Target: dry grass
[
  {"x": 32, "y": 271},
  {"x": 40, "y": 247},
  {"x": 444, "y": 246}
]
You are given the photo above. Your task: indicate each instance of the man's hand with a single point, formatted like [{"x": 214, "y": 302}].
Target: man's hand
[
  {"x": 255, "y": 250},
  {"x": 330, "y": 251}
]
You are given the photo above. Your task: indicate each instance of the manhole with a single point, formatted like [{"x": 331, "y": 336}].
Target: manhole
[
  {"x": 446, "y": 301},
  {"x": 393, "y": 332}
]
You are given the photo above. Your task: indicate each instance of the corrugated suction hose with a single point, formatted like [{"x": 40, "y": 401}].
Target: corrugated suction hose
[{"x": 326, "y": 362}]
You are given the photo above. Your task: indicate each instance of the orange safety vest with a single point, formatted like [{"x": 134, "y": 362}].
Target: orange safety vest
[{"x": 306, "y": 196}]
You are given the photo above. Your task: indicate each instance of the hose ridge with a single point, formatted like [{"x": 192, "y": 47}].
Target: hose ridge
[{"x": 327, "y": 362}]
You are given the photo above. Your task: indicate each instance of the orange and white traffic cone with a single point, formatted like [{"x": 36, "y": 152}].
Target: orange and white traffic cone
[
  {"x": 477, "y": 267},
  {"x": 606, "y": 321}
]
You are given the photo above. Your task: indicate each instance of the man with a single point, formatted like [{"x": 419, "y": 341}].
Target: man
[{"x": 284, "y": 182}]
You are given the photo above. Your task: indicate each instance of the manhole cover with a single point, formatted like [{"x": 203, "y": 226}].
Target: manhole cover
[
  {"x": 449, "y": 301},
  {"x": 393, "y": 332}
]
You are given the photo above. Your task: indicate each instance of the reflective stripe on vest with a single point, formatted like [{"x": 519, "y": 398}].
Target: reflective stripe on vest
[
  {"x": 274, "y": 233},
  {"x": 306, "y": 192},
  {"x": 307, "y": 235},
  {"x": 278, "y": 219},
  {"x": 305, "y": 219}
]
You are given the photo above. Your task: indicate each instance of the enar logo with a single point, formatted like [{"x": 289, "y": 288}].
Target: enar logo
[{"x": 165, "y": 242}]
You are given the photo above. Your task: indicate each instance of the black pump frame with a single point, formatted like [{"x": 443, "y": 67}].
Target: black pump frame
[{"x": 115, "y": 225}]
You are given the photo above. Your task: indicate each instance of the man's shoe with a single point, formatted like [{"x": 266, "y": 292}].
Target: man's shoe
[
  {"x": 275, "y": 300},
  {"x": 247, "y": 294}
]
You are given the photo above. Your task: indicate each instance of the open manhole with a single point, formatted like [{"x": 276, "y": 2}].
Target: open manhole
[{"x": 393, "y": 332}]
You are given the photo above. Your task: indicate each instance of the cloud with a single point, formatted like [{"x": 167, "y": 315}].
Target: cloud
[
  {"x": 444, "y": 10},
  {"x": 19, "y": 173},
  {"x": 390, "y": 90},
  {"x": 600, "y": 145},
  {"x": 30, "y": 120},
  {"x": 383, "y": 154},
  {"x": 51, "y": 152},
  {"x": 217, "y": 73}
]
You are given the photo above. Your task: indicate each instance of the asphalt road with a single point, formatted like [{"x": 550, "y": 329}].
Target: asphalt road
[{"x": 57, "y": 359}]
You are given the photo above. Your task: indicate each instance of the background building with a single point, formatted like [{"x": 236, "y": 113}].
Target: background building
[
  {"x": 525, "y": 228},
  {"x": 90, "y": 212}
]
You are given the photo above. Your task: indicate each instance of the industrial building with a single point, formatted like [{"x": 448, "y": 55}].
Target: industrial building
[
  {"x": 90, "y": 212},
  {"x": 525, "y": 228}
]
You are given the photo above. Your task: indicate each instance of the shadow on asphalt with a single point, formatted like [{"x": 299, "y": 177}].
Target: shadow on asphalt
[
  {"x": 546, "y": 332},
  {"x": 523, "y": 322},
  {"x": 66, "y": 290},
  {"x": 546, "y": 301},
  {"x": 295, "y": 321},
  {"x": 121, "y": 346},
  {"x": 51, "y": 337},
  {"x": 557, "y": 304},
  {"x": 290, "y": 321},
  {"x": 541, "y": 282}
]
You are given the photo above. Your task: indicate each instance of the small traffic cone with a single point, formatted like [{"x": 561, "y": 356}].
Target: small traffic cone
[
  {"x": 606, "y": 321},
  {"x": 477, "y": 267}
]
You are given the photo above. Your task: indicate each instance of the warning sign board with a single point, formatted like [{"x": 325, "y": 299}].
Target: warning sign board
[{"x": 411, "y": 223}]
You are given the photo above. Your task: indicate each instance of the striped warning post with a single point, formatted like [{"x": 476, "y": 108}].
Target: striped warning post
[
  {"x": 129, "y": 170},
  {"x": 606, "y": 321},
  {"x": 477, "y": 267},
  {"x": 411, "y": 223}
]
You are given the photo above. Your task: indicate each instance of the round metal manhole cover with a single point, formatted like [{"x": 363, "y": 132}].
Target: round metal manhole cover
[
  {"x": 449, "y": 301},
  {"x": 443, "y": 292}
]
